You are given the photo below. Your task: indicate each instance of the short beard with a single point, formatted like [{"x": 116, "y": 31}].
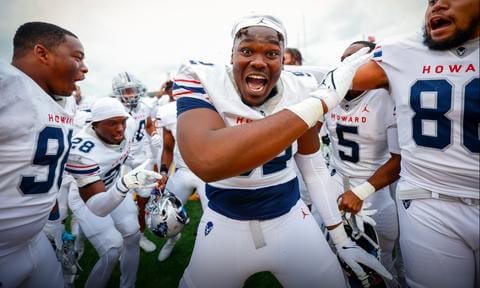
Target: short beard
[{"x": 458, "y": 38}]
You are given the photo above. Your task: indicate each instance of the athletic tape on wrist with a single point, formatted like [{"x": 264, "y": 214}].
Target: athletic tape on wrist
[
  {"x": 310, "y": 110},
  {"x": 363, "y": 190}
]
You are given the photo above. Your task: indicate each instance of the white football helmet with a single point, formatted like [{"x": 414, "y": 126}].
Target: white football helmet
[
  {"x": 128, "y": 89},
  {"x": 165, "y": 215}
]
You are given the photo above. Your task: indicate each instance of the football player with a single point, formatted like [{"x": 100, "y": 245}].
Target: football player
[
  {"x": 435, "y": 85},
  {"x": 183, "y": 182},
  {"x": 36, "y": 129},
  {"x": 130, "y": 91},
  {"x": 97, "y": 155},
  {"x": 365, "y": 152},
  {"x": 249, "y": 117}
]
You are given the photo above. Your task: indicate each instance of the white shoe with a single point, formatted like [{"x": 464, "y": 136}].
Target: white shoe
[
  {"x": 146, "y": 245},
  {"x": 168, "y": 247}
]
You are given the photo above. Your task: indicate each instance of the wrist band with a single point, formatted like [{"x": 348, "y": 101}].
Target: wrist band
[
  {"x": 310, "y": 110},
  {"x": 163, "y": 168},
  {"x": 363, "y": 190}
]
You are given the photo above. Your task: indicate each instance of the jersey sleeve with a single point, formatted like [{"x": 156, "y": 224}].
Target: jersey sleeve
[
  {"x": 390, "y": 54},
  {"x": 392, "y": 131},
  {"x": 84, "y": 170},
  {"x": 189, "y": 91},
  {"x": 165, "y": 117}
]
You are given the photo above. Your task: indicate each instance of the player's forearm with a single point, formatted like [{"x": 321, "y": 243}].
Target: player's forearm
[
  {"x": 102, "y": 202},
  {"x": 317, "y": 179},
  {"x": 229, "y": 151},
  {"x": 370, "y": 76},
  {"x": 387, "y": 173},
  {"x": 168, "y": 147}
]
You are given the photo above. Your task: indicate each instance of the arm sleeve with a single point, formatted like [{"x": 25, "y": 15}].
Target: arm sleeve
[
  {"x": 392, "y": 132},
  {"x": 317, "y": 179}
]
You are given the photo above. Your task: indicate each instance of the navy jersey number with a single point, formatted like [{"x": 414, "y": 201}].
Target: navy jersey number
[
  {"x": 354, "y": 157},
  {"x": 141, "y": 131},
  {"x": 44, "y": 157},
  {"x": 276, "y": 164},
  {"x": 85, "y": 147},
  {"x": 443, "y": 91}
]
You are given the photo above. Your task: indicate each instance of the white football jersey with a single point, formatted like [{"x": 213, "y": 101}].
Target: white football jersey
[
  {"x": 35, "y": 135},
  {"x": 167, "y": 118},
  {"x": 438, "y": 102},
  {"x": 358, "y": 133},
  {"x": 205, "y": 85},
  {"x": 91, "y": 159},
  {"x": 140, "y": 146}
]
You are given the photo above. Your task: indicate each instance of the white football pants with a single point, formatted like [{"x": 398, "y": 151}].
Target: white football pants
[
  {"x": 296, "y": 252},
  {"x": 439, "y": 241},
  {"x": 32, "y": 265}
]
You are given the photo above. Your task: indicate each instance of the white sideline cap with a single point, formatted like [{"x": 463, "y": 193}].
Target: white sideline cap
[
  {"x": 107, "y": 107},
  {"x": 260, "y": 20}
]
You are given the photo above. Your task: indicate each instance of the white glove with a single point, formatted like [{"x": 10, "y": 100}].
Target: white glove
[
  {"x": 156, "y": 140},
  {"x": 353, "y": 255},
  {"x": 363, "y": 216},
  {"x": 337, "y": 82},
  {"x": 140, "y": 177},
  {"x": 54, "y": 230}
]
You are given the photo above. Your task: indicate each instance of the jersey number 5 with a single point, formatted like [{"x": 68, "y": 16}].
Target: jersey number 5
[
  {"x": 443, "y": 91},
  {"x": 44, "y": 156}
]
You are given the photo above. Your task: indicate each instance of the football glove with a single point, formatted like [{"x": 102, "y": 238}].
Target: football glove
[
  {"x": 337, "y": 82},
  {"x": 140, "y": 177},
  {"x": 353, "y": 256}
]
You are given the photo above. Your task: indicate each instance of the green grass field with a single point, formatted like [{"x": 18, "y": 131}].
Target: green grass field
[{"x": 166, "y": 274}]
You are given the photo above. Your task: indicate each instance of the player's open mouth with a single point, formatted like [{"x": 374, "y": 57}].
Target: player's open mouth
[
  {"x": 256, "y": 82},
  {"x": 438, "y": 23}
]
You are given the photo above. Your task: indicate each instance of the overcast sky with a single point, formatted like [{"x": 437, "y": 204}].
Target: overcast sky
[{"x": 151, "y": 38}]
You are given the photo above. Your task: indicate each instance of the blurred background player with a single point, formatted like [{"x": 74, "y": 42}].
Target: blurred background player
[
  {"x": 436, "y": 94},
  {"x": 292, "y": 56},
  {"x": 365, "y": 153},
  {"x": 130, "y": 91},
  {"x": 47, "y": 62}
]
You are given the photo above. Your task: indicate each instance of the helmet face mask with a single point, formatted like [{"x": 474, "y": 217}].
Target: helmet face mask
[
  {"x": 165, "y": 215},
  {"x": 128, "y": 89},
  {"x": 368, "y": 241}
]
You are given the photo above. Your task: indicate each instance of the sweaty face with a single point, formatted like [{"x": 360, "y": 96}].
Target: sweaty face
[
  {"x": 449, "y": 23},
  {"x": 257, "y": 58},
  {"x": 111, "y": 130},
  {"x": 66, "y": 67}
]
